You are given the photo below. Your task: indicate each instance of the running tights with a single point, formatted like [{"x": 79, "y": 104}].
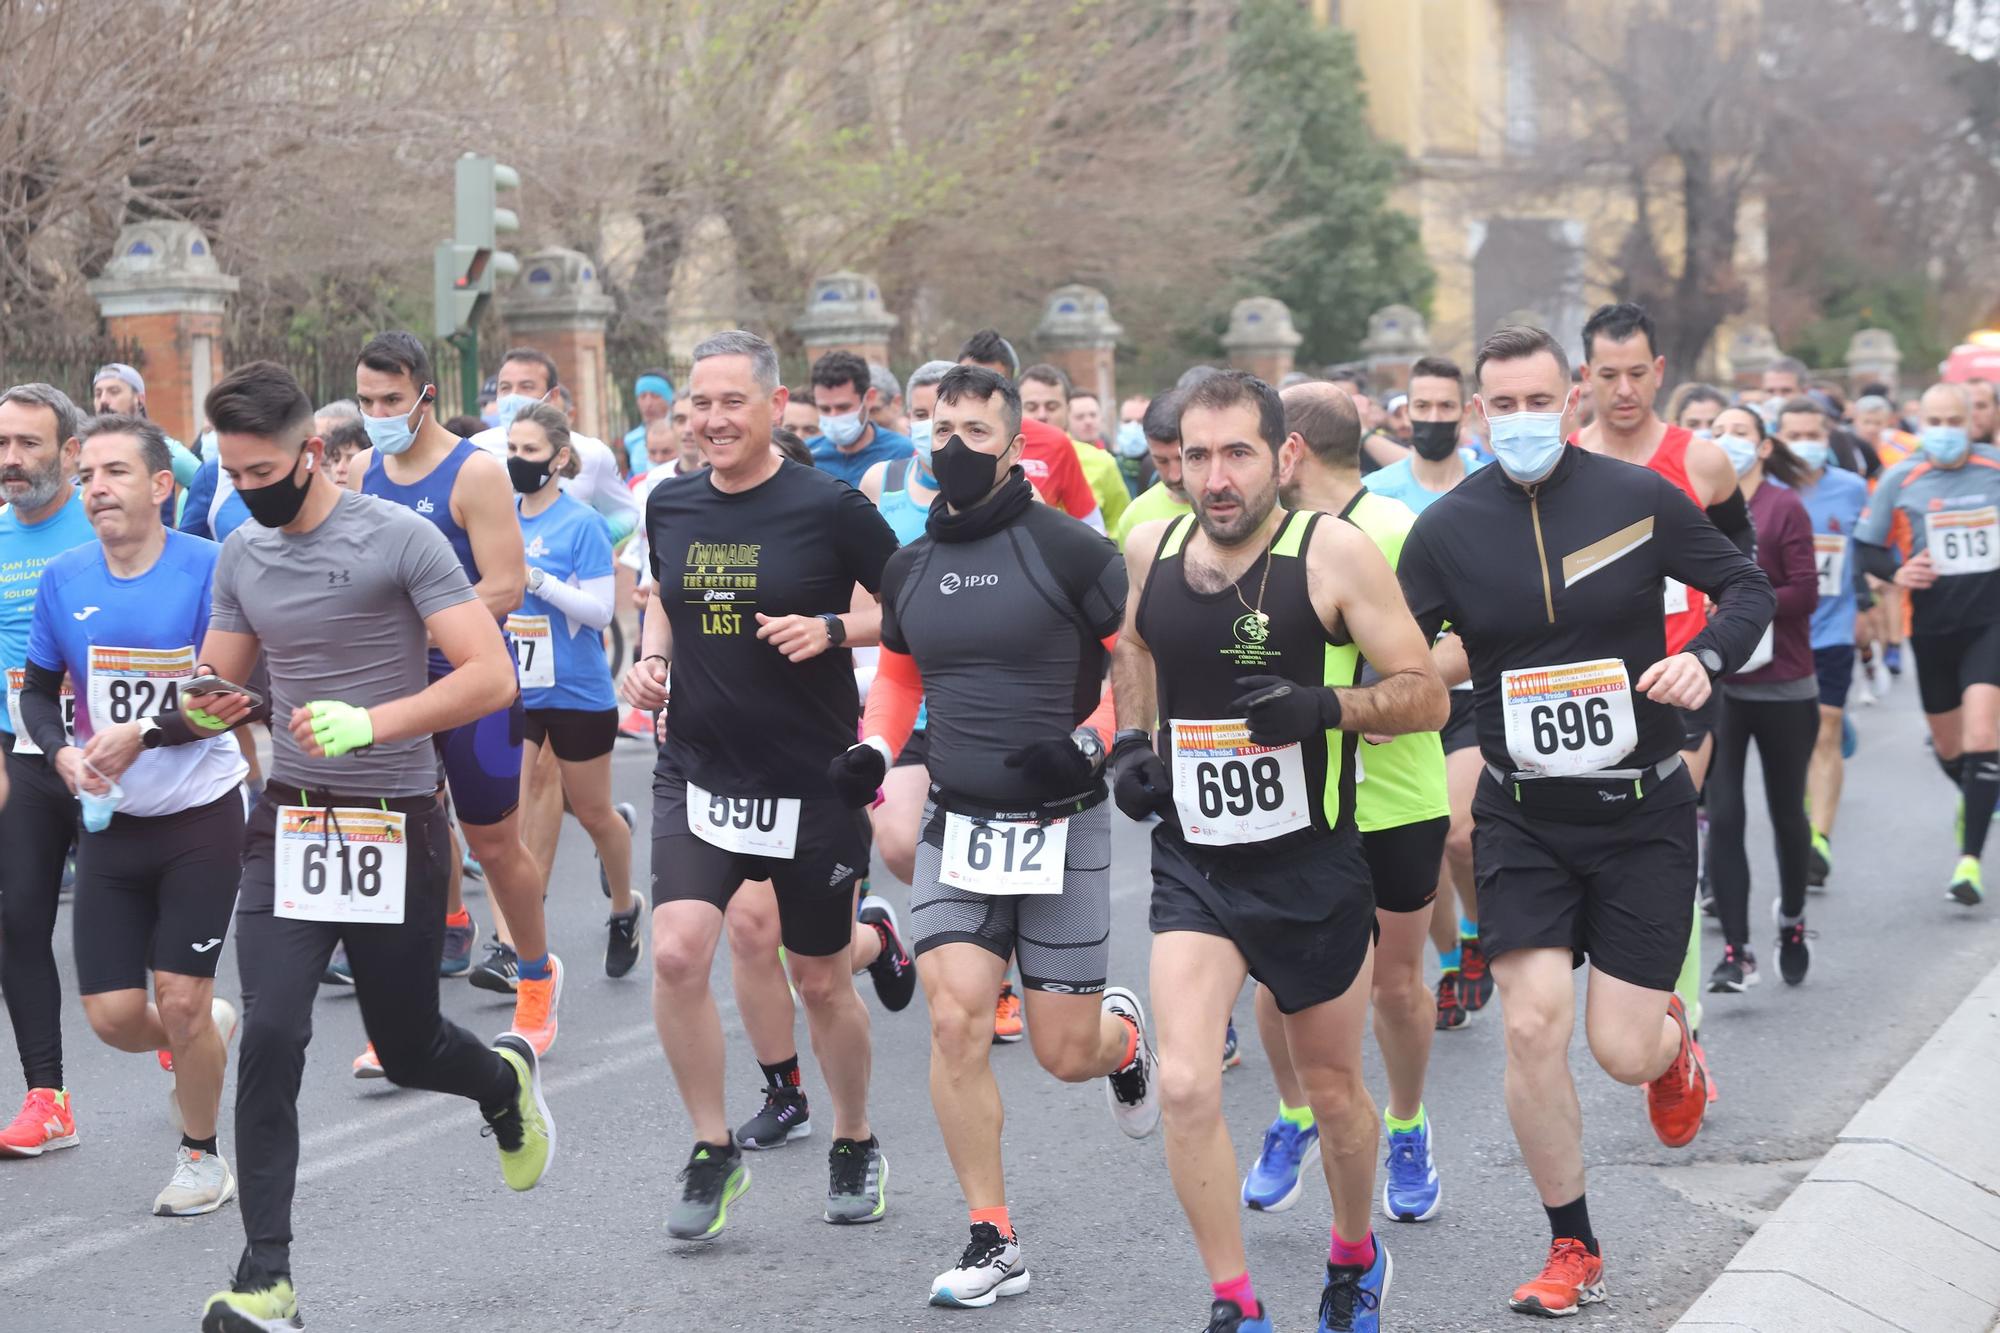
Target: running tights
[
  {"x": 1785, "y": 730},
  {"x": 36, "y": 828}
]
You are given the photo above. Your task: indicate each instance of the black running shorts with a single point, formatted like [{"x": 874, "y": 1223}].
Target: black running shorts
[
  {"x": 155, "y": 893},
  {"x": 1461, "y": 729},
  {"x": 577, "y": 735},
  {"x": 1948, "y": 663},
  {"x": 1404, "y": 863}
]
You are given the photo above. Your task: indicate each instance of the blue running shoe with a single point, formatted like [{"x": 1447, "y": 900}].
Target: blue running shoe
[
  {"x": 1228, "y": 1317},
  {"x": 1273, "y": 1184},
  {"x": 1850, "y": 739},
  {"x": 1892, "y": 657},
  {"x": 1231, "y": 1057},
  {"x": 1352, "y": 1299},
  {"x": 1410, "y": 1193}
]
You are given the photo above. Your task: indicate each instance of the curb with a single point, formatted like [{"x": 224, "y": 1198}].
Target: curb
[{"x": 1898, "y": 1227}]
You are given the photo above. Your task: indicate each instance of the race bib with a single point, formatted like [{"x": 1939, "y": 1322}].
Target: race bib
[
  {"x": 127, "y": 684},
  {"x": 534, "y": 651},
  {"x": 1830, "y": 558},
  {"x": 1230, "y": 790},
  {"x": 346, "y": 865},
  {"x": 1965, "y": 541},
  {"x": 17, "y": 680},
  {"x": 748, "y": 825},
  {"x": 1567, "y": 720},
  {"x": 1004, "y": 857},
  {"x": 1674, "y": 597}
]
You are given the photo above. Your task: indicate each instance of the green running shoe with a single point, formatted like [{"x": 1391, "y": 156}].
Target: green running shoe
[
  {"x": 1819, "y": 861},
  {"x": 267, "y": 1305},
  {"x": 1965, "y": 886},
  {"x": 714, "y": 1178},
  {"x": 525, "y": 1131},
  {"x": 857, "y": 1181}
]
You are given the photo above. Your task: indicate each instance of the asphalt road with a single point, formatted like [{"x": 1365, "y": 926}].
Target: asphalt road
[{"x": 404, "y": 1224}]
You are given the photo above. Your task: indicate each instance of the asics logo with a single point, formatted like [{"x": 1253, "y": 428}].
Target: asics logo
[
  {"x": 87, "y": 612},
  {"x": 204, "y": 948}
]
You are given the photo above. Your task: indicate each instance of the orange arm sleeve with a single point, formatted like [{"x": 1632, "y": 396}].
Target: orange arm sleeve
[
  {"x": 893, "y": 700},
  {"x": 1104, "y": 718}
]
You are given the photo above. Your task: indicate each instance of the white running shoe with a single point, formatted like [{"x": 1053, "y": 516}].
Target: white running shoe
[
  {"x": 202, "y": 1183},
  {"x": 990, "y": 1268},
  {"x": 1131, "y": 1094}
]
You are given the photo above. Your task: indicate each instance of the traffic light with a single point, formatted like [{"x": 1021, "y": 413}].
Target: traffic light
[{"x": 465, "y": 266}]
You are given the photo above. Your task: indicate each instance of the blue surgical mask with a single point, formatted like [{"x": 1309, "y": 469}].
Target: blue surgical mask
[
  {"x": 842, "y": 431},
  {"x": 507, "y": 408},
  {"x": 392, "y": 435},
  {"x": 1703, "y": 434},
  {"x": 1946, "y": 446},
  {"x": 1527, "y": 445},
  {"x": 920, "y": 435},
  {"x": 1742, "y": 453},
  {"x": 97, "y": 810},
  {"x": 1813, "y": 453},
  {"x": 1131, "y": 440}
]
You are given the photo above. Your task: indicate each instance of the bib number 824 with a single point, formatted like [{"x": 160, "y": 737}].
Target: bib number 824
[
  {"x": 742, "y": 812},
  {"x": 360, "y": 868},
  {"x": 1570, "y": 725},
  {"x": 130, "y": 699},
  {"x": 1237, "y": 787}
]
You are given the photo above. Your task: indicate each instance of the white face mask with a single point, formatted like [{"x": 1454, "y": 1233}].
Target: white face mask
[
  {"x": 1742, "y": 453},
  {"x": 841, "y": 431},
  {"x": 1527, "y": 445}
]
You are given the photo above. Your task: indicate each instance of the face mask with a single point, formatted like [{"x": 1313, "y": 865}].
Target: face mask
[
  {"x": 1131, "y": 440},
  {"x": 1434, "y": 440},
  {"x": 1527, "y": 445},
  {"x": 1742, "y": 453},
  {"x": 97, "y": 810},
  {"x": 841, "y": 432},
  {"x": 1946, "y": 445},
  {"x": 279, "y": 503},
  {"x": 1703, "y": 434},
  {"x": 1813, "y": 453},
  {"x": 392, "y": 435},
  {"x": 506, "y": 409},
  {"x": 529, "y": 477},
  {"x": 920, "y": 436},
  {"x": 964, "y": 475}
]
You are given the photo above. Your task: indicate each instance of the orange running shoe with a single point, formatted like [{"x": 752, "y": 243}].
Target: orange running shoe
[
  {"x": 1677, "y": 1099},
  {"x": 1007, "y": 1014},
  {"x": 44, "y": 1124},
  {"x": 1571, "y": 1279},
  {"x": 368, "y": 1064},
  {"x": 535, "y": 1008}
]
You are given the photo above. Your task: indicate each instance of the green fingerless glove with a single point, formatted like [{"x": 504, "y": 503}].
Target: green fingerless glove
[
  {"x": 340, "y": 728},
  {"x": 206, "y": 721}
]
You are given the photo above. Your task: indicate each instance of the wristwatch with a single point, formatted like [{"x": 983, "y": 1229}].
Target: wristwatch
[
  {"x": 150, "y": 735},
  {"x": 1088, "y": 743},
  {"x": 1711, "y": 661},
  {"x": 836, "y": 630},
  {"x": 536, "y": 575}
]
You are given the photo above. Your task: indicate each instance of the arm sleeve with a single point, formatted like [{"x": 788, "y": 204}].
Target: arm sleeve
[
  {"x": 41, "y": 707},
  {"x": 893, "y": 699},
  {"x": 1731, "y": 518},
  {"x": 1104, "y": 718},
  {"x": 864, "y": 539},
  {"x": 1797, "y": 580},
  {"x": 1879, "y": 561},
  {"x": 1880, "y": 516},
  {"x": 588, "y": 605},
  {"x": 611, "y": 498},
  {"x": 200, "y": 496},
  {"x": 1701, "y": 557}
]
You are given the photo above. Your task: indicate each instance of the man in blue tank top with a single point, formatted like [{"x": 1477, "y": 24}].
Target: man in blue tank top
[{"x": 464, "y": 491}]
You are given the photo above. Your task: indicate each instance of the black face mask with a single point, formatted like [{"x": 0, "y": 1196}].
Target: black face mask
[
  {"x": 964, "y": 475},
  {"x": 1434, "y": 440},
  {"x": 528, "y": 477},
  {"x": 279, "y": 503}
]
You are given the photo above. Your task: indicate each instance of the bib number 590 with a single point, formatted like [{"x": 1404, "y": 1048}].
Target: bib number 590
[
  {"x": 1571, "y": 724},
  {"x": 743, "y": 812},
  {"x": 1234, "y": 787}
]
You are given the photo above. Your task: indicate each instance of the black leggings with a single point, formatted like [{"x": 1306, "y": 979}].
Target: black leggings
[
  {"x": 37, "y": 827},
  {"x": 1785, "y": 730}
]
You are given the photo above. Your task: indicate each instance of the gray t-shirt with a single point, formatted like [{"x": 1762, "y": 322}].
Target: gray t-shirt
[{"x": 340, "y": 613}]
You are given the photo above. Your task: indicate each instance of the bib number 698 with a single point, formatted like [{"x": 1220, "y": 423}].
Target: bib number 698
[
  {"x": 1571, "y": 724},
  {"x": 1237, "y": 787}
]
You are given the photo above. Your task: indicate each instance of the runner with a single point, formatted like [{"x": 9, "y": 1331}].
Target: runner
[
  {"x": 1016, "y": 845},
  {"x": 761, "y": 556},
  {"x": 653, "y": 395},
  {"x": 1047, "y": 457},
  {"x": 1403, "y": 811},
  {"x": 1245, "y": 619},
  {"x": 1948, "y": 496},
  {"x": 848, "y": 441},
  {"x": 1045, "y": 397},
  {"x": 417, "y": 463},
  {"x": 163, "y": 833},
  {"x": 339, "y": 592},
  {"x": 1166, "y": 498},
  {"x": 43, "y": 517},
  {"x": 1549, "y": 566}
]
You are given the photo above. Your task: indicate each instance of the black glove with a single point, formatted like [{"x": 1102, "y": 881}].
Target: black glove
[
  {"x": 1055, "y": 768},
  {"x": 1140, "y": 783},
  {"x": 1280, "y": 712},
  {"x": 855, "y": 774}
]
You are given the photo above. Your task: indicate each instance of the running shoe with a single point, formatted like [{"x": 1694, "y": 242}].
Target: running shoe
[
  {"x": 524, "y": 1131},
  {"x": 1966, "y": 889},
  {"x": 1737, "y": 972},
  {"x": 631, "y": 817},
  {"x": 621, "y": 944},
  {"x": 1475, "y": 980},
  {"x": 202, "y": 1183},
  {"x": 457, "y": 959},
  {"x": 1410, "y": 1189},
  {"x": 1819, "y": 861},
  {"x": 857, "y": 1182},
  {"x": 1794, "y": 953},
  {"x": 1572, "y": 1278},
  {"x": 1351, "y": 1301},
  {"x": 1007, "y": 1015},
  {"x": 635, "y": 725},
  {"x": 1892, "y": 657},
  {"x": 253, "y": 1305},
  {"x": 1231, "y": 1056},
  {"x": 1228, "y": 1317},
  {"x": 1134, "y": 1101},
  {"x": 45, "y": 1122},
  {"x": 785, "y": 1117},
  {"x": 714, "y": 1178},
  {"x": 368, "y": 1064},
  {"x": 1277, "y": 1177},
  {"x": 1451, "y": 1011},
  {"x": 1678, "y": 1098},
  {"x": 535, "y": 1007},
  {"x": 471, "y": 868},
  {"x": 499, "y": 971},
  {"x": 990, "y": 1268},
  {"x": 337, "y": 973},
  {"x": 1878, "y": 678},
  {"x": 894, "y": 972},
  {"x": 1850, "y": 738}
]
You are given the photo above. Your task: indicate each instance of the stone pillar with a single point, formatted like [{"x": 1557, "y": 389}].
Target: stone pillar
[
  {"x": 1081, "y": 339},
  {"x": 844, "y": 313},
  {"x": 1751, "y": 348},
  {"x": 164, "y": 291},
  {"x": 1261, "y": 338},
  {"x": 1397, "y": 337},
  {"x": 1873, "y": 357},
  {"x": 557, "y": 306}
]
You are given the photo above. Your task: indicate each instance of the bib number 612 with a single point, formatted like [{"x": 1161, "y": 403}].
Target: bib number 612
[
  {"x": 1019, "y": 847},
  {"x": 1570, "y": 725}
]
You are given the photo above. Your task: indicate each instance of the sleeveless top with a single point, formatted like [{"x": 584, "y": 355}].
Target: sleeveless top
[
  {"x": 1670, "y": 461},
  {"x": 899, "y": 511},
  {"x": 430, "y": 495}
]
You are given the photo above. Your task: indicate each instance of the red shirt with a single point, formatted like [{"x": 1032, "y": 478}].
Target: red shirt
[
  {"x": 1049, "y": 459},
  {"x": 1670, "y": 461}
]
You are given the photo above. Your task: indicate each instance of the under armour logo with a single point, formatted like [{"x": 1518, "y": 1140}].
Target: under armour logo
[
  {"x": 204, "y": 948},
  {"x": 336, "y": 578},
  {"x": 86, "y": 613}
]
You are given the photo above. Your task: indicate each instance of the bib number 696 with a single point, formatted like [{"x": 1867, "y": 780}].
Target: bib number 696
[{"x": 1571, "y": 724}]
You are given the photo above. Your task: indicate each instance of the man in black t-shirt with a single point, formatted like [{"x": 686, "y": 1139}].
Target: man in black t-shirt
[{"x": 754, "y": 565}]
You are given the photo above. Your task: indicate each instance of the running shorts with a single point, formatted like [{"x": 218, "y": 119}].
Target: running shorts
[
  {"x": 155, "y": 892},
  {"x": 577, "y": 735},
  {"x": 1063, "y": 939},
  {"x": 482, "y": 765},
  {"x": 1303, "y": 918},
  {"x": 1461, "y": 729},
  {"x": 1835, "y": 666},
  {"x": 1404, "y": 862},
  {"x": 1948, "y": 663},
  {"x": 916, "y": 751}
]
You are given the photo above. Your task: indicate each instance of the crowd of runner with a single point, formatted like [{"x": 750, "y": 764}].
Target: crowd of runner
[{"x": 1477, "y": 669}]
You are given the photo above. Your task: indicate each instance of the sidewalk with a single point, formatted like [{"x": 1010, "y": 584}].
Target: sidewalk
[{"x": 1898, "y": 1227}]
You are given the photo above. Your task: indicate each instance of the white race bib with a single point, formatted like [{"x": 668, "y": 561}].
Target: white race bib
[
  {"x": 1964, "y": 541},
  {"x": 1674, "y": 597},
  {"x": 17, "y": 680},
  {"x": 534, "y": 651},
  {"x": 747, "y": 825},
  {"x": 127, "y": 684},
  {"x": 1004, "y": 857},
  {"x": 1830, "y": 558},
  {"x": 1230, "y": 790},
  {"x": 345, "y": 865},
  {"x": 1567, "y": 720}
]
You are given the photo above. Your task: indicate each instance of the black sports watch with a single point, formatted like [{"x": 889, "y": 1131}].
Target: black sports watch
[
  {"x": 1711, "y": 661},
  {"x": 836, "y": 630}
]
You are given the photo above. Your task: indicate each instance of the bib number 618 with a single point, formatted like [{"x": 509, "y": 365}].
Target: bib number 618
[{"x": 360, "y": 868}]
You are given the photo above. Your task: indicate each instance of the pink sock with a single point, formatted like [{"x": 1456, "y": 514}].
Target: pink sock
[
  {"x": 1361, "y": 1254},
  {"x": 1237, "y": 1289}
]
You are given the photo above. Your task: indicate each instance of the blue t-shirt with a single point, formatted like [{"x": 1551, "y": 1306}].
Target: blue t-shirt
[
  {"x": 24, "y": 550},
  {"x": 1398, "y": 482},
  {"x": 568, "y": 542},
  {"x": 635, "y": 450},
  {"x": 1834, "y": 503},
  {"x": 850, "y": 468},
  {"x": 213, "y": 508}
]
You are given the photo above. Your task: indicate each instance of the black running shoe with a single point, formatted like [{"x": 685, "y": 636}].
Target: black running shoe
[
  {"x": 714, "y": 1178},
  {"x": 1794, "y": 954},
  {"x": 630, "y": 816},
  {"x": 1736, "y": 973},
  {"x": 785, "y": 1117},
  {"x": 621, "y": 948},
  {"x": 499, "y": 970},
  {"x": 1451, "y": 1011},
  {"x": 894, "y": 972}
]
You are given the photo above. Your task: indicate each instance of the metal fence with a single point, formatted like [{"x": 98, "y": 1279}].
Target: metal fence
[
  {"x": 64, "y": 360},
  {"x": 324, "y": 367}
]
